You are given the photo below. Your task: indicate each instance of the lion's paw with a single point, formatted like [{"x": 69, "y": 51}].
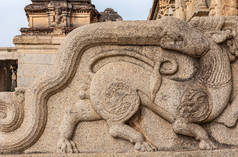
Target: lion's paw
[
  {"x": 145, "y": 147},
  {"x": 67, "y": 146},
  {"x": 206, "y": 145}
]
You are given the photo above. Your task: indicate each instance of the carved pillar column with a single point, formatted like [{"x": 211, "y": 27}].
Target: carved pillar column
[
  {"x": 2, "y": 74},
  {"x": 13, "y": 78},
  {"x": 180, "y": 8},
  {"x": 68, "y": 23},
  {"x": 6, "y": 76}
]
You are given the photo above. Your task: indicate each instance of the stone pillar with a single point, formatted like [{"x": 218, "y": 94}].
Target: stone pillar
[
  {"x": 5, "y": 77},
  {"x": 2, "y": 81},
  {"x": 180, "y": 9},
  {"x": 13, "y": 78}
]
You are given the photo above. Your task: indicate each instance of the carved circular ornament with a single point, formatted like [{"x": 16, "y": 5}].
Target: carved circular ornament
[
  {"x": 120, "y": 102},
  {"x": 195, "y": 106}
]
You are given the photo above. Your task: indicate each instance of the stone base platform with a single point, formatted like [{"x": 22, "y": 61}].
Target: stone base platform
[{"x": 212, "y": 153}]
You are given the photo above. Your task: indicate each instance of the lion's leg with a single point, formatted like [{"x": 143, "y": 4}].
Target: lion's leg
[
  {"x": 121, "y": 130},
  {"x": 183, "y": 127},
  {"x": 148, "y": 103},
  {"x": 79, "y": 112},
  {"x": 230, "y": 115}
]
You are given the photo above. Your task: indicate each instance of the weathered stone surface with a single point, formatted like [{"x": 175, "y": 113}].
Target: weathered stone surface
[
  {"x": 28, "y": 73},
  {"x": 200, "y": 153},
  {"x": 124, "y": 87}
]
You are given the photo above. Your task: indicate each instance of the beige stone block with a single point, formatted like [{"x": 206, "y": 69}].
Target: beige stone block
[
  {"x": 34, "y": 40},
  {"x": 37, "y": 58},
  {"x": 8, "y": 54},
  {"x": 80, "y": 19},
  {"x": 38, "y": 21},
  {"x": 28, "y": 73}
]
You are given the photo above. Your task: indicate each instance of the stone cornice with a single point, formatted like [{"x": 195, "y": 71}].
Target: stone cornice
[
  {"x": 32, "y": 8},
  {"x": 45, "y": 31}
]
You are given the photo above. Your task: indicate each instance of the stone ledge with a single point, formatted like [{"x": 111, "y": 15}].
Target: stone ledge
[
  {"x": 7, "y": 49},
  {"x": 212, "y": 153},
  {"x": 38, "y": 40}
]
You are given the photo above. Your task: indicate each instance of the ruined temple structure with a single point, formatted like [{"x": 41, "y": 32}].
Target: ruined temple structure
[
  {"x": 110, "y": 15},
  {"x": 49, "y": 21},
  {"x": 187, "y": 9}
]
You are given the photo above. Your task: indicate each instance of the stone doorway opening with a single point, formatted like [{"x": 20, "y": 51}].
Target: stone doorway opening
[{"x": 8, "y": 75}]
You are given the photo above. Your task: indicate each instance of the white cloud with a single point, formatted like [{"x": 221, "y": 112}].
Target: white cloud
[{"x": 13, "y": 17}]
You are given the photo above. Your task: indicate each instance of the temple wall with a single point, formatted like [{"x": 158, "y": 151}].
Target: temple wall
[
  {"x": 33, "y": 62},
  {"x": 39, "y": 20},
  {"x": 32, "y": 66}
]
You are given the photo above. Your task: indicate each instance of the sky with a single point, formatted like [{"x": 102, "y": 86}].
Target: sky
[{"x": 12, "y": 14}]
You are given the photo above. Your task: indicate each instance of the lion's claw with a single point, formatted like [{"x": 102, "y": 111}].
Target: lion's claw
[
  {"x": 206, "y": 145},
  {"x": 67, "y": 146},
  {"x": 145, "y": 147}
]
